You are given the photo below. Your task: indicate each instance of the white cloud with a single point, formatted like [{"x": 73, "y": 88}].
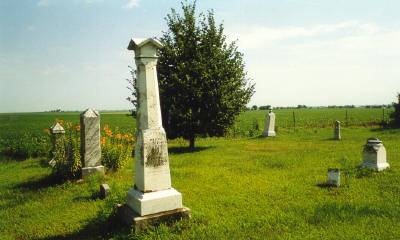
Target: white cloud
[
  {"x": 52, "y": 70},
  {"x": 131, "y": 4},
  {"x": 31, "y": 28},
  {"x": 43, "y": 3},
  {"x": 321, "y": 64},
  {"x": 88, "y": 1},
  {"x": 251, "y": 37}
]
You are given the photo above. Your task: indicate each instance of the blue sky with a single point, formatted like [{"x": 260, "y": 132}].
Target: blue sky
[{"x": 72, "y": 54}]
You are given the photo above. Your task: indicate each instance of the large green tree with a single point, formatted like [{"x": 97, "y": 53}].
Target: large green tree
[
  {"x": 202, "y": 78},
  {"x": 395, "y": 116}
]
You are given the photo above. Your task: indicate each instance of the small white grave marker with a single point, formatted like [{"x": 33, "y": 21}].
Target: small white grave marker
[
  {"x": 269, "y": 130},
  {"x": 374, "y": 155},
  {"x": 333, "y": 177}
]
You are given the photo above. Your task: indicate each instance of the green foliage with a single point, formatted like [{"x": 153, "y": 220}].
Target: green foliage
[
  {"x": 116, "y": 148},
  {"x": 261, "y": 189},
  {"x": 132, "y": 86},
  {"x": 115, "y": 157},
  {"x": 24, "y": 146},
  {"x": 203, "y": 83},
  {"x": 266, "y": 107},
  {"x": 255, "y": 129},
  {"x": 395, "y": 116},
  {"x": 66, "y": 154}
]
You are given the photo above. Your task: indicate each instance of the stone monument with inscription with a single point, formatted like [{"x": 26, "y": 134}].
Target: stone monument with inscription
[
  {"x": 152, "y": 199},
  {"x": 269, "y": 129},
  {"x": 90, "y": 142},
  {"x": 336, "y": 132},
  {"x": 374, "y": 155}
]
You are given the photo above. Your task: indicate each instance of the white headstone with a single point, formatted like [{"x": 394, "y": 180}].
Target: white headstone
[
  {"x": 336, "y": 134},
  {"x": 90, "y": 142},
  {"x": 269, "y": 129},
  {"x": 374, "y": 155},
  {"x": 333, "y": 177},
  {"x": 152, "y": 192}
]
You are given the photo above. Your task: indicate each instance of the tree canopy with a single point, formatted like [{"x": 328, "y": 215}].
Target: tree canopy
[
  {"x": 395, "y": 116},
  {"x": 202, "y": 78}
]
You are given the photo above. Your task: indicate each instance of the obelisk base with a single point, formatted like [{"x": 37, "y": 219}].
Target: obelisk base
[
  {"x": 269, "y": 134},
  {"x": 86, "y": 171},
  {"x": 376, "y": 166},
  {"x": 154, "y": 202},
  {"x": 130, "y": 218}
]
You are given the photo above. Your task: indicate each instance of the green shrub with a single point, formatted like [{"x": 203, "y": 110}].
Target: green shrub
[
  {"x": 67, "y": 155},
  {"x": 24, "y": 146},
  {"x": 395, "y": 116},
  {"x": 255, "y": 129},
  {"x": 116, "y": 149}
]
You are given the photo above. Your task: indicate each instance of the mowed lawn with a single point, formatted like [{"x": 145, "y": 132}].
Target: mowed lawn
[{"x": 244, "y": 188}]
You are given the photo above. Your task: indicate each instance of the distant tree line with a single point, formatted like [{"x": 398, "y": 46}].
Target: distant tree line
[
  {"x": 55, "y": 110},
  {"x": 266, "y": 107},
  {"x": 395, "y": 116}
]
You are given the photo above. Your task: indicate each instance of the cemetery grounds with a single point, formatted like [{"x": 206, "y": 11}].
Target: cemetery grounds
[{"x": 241, "y": 186}]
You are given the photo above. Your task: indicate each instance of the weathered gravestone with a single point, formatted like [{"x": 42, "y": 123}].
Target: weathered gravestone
[
  {"x": 57, "y": 141},
  {"x": 333, "y": 177},
  {"x": 152, "y": 199},
  {"x": 374, "y": 155},
  {"x": 104, "y": 190},
  {"x": 90, "y": 142},
  {"x": 269, "y": 129},
  {"x": 336, "y": 134}
]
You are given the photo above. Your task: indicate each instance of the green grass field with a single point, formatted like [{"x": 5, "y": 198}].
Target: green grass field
[{"x": 237, "y": 188}]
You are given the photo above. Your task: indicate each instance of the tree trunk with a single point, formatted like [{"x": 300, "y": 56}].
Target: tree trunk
[{"x": 191, "y": 142}]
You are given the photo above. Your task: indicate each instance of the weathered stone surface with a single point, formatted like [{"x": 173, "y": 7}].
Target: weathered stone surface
[
  {"x": 269, "y": 130},
  {"x": 152, "y": 192},
  {"x": 57, "y": 128},
  {"x": 374, "y": 155},
  {"x": 86, "y": 171},
  {"x": 90, "y": 142},
  {"x": 104, "y": 190},
  {"x": 336, "y": 134},
  {"x": 154, "y": 202},
  {"x": 151, "y": 155},
  {"x": 139, "y": 223},
  {"x": 333, "y": 177}
]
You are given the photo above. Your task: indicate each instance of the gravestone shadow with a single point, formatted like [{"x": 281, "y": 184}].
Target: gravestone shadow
[
  {"x": 180, "y": 150},
  {"x": 98, "y": 228},
  {"x": 385, "y": 129},
  {"x": 91, "y": 197},
  {"x": 326, "y": 185},
  {"x": 50, "y": 180}
]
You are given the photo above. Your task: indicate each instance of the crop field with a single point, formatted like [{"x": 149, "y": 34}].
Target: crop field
[{"x": 241, "y": 186}]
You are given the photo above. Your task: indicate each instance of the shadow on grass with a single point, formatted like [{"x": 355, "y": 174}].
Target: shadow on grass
[
  {"x": 327, "y": 185},
  {"x": 98, "y": 228},
  {"x": 93, "y": 196},
  {"x": 385, "y": 128},
  {"x": 333, "y": 212},
  {"x": 179, "y": 150},
  {"x": 6, "y": 158},
  {"x": 50, "y": 180},
  {"x": 332, "y": 139}
]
